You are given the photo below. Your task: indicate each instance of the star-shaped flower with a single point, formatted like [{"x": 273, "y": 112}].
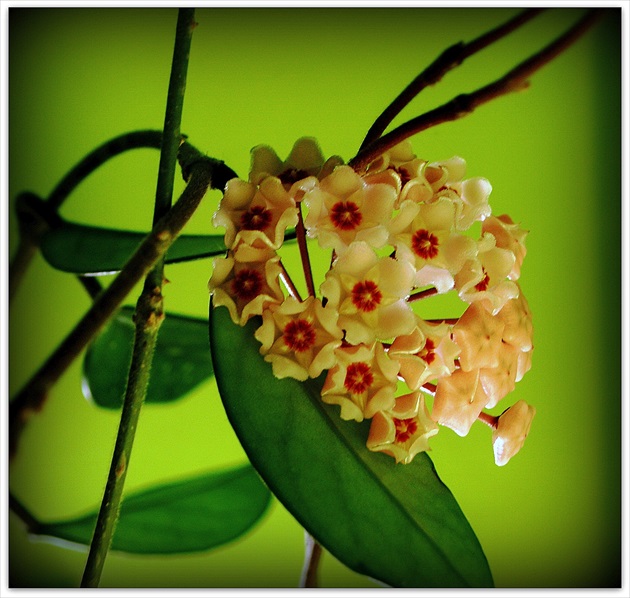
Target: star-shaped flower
[
  {"x": 299, "y": 338},
  {"x": 459, "y": 399},
  {"x": 485, "y": 278},
  {"x": 508, "y": 236},
  {"x": 370, "y": 294},
  {"x": 305, "y": 160},
  {"x": 479, "y": 335},
  {"x": 246, "y": 282},
  {"x": 343, "y": 208},
  {"x": 362, "y": 382},
  {"x": 425, "y": 354},
  {"x": 500, "y": 380},
  {"x": 404, "y": 430},
  {"x": 257, "y": 215},
  {"x": 511, "y": 431},
  {"x": 423, "y": 234}
]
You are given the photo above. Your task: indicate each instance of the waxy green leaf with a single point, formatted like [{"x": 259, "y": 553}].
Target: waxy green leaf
[
  {"x": 180, "y": 363},
  {"x": 396, "y": 523},
  {"x": 91, "y": 250},
  {"x": 185, "y": 516}
]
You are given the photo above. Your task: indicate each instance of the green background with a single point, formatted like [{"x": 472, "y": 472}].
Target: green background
[{"x": 551, "y": 517}]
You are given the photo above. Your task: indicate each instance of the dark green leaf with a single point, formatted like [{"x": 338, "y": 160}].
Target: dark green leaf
[
  {"x": 180, "y": 363},
  {"x": 185, "y": 516},
  {"x": 396, "y": 523},
  {"x": 91, "y": 250}
]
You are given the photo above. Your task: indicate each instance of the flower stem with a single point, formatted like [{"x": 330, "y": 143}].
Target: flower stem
[
  {"x": 449, "y": 59},
  {"x": 489, "y": 420},
  {"x": 149, "y": 312},
  {"x": 422, "y": 294},
  {"x": 201, "y": 172},
  {"x": 312, "y": 556},
  {"x": 464, "y": 104},
  {"x": 288, "y": 283},
  {"x": 300, "y": 232}
]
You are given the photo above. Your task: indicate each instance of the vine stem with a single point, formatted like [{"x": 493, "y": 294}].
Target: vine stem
[
  {"x": 149, "y": 313},
  {"x": 36, "y": 216},
  {"x": 200, "y": 172},
  {"x": 464, "y": 104},
  {"x": 449, "y": 59}
]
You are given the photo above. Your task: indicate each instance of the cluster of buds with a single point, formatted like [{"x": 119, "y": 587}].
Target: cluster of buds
[{"x": 396, "y": 233}]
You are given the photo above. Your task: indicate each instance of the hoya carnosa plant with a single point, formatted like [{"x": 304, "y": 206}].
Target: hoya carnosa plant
[{"x": 395, "y": 233}]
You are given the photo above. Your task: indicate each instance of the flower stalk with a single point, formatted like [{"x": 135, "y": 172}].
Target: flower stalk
[
  {"x": 464, "y": 104},
  {"x": 449, "y": 59},
  {"x": 300, "y": 232}
]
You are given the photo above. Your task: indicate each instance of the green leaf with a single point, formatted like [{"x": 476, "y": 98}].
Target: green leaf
[
  {"x": 186, "y": 516},
  {"x": 81, "y": 249},
  {"x": 396, "y": 523},
  {"x": 180, "y": 363}
]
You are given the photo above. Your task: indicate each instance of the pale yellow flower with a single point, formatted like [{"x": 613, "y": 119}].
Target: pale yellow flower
[
  {"x": 403, "y": 431},
  {"x": 362, "y": 382},
  {"x": 305, "y": 160},
  {"x": 343, "y": 208},
  {"x": 485, "y": 278},
  {"x": 246, "y": 283},
  {"x": 257, "y": 215},
  {"x": 423, "y": 234},
  {"x": 298, "y": 338},
  {"x": 426, "y": 354},
  {"x": 511, "y": 431},
  {"x": 370, "y": 294},
  {"x": 508, "y": 236}
]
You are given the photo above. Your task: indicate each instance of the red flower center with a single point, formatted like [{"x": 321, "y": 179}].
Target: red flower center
[
  {"x": 359, "y": 378},
  {"x": 299, "y": 335},
  {"x": 427, "y": 353},
  {"x": 345, "y": 215},
  {"x": 482, "y": 285},
  {"x": 366, "y": 296},
  {"x": 405, "y": 429},
  {"x": 424, "y": 244},
  {"x": 247, "y": 284},
  {"x": 256, "y": 218}
]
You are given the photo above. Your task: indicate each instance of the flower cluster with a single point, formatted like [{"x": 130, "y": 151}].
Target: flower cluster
[{"x": 399, "y": 232}]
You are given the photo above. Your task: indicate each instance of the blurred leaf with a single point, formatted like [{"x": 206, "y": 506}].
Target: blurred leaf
[
  {"x": 180, "y": 363},
  {"x": 91, "y": 250},
  {"x": 185, "y": 516},
  {"x": 396, "y": 523}
]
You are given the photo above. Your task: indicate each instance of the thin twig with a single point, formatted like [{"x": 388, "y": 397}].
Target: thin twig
[
  {"x": 28, "y": 519},
  {"x": 462, "y": 105},
  {"x": 149, "y": 313},
  {"x": 201, "y": 172},
  {"x": 46, "y": 217},
  {"x": 448, "y": 60},
  {"x": 300, "y": 232},
  {"x": 312, "y": 556},
  {"x": 36, "y": 217},
  {"x": 136, "y": 139}
]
